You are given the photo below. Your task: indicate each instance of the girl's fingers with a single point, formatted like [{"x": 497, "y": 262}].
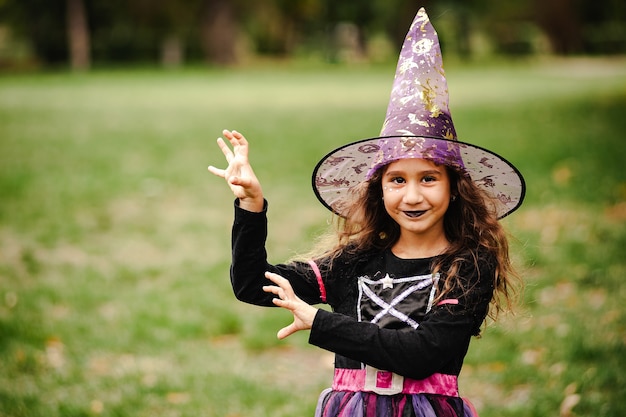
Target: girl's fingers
[
  {"x": 235, "y": 138},
  {"x": 232, "y": 136},
  {"x": 287, "y": 331},
  {"x": 277, "y": 279},
  {"x": 240, "y": 181},
  {"x": 241, "y": 138},
  {"x": 225, "y": 149},
  {"x": 281, "y": 299},
  {"x": 282, "y": 289},
  {"x": 271, "y": 288},
  {"x": 233, "y": 133},
  {"x": 217, "y": 171}
]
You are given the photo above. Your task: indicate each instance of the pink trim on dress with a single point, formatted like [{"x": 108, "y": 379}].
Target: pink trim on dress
[
  {"x": 448, "y": 301},
  {"x": 318, "y": 275},
  {"x": 442, "y": 384}
]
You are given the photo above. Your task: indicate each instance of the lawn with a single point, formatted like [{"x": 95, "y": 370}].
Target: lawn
[{"x": 115, "y": 240}]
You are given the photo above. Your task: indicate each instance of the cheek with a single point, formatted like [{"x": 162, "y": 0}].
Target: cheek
[
  {"x": 391, "y": 196},
  {"x": 445, "y": 205},
  {"x": 444, "y": 201}
]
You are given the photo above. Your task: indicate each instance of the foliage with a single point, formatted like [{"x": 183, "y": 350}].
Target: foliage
[
  {"x": 114, "y": 240},
  {"x": 138, "y": 31}
]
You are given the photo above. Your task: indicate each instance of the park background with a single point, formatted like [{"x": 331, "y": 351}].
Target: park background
[{"x": 115, "y": 240}]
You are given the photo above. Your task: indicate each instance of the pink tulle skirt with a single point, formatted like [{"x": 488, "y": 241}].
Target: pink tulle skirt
[{"x": 366, "y": 404}]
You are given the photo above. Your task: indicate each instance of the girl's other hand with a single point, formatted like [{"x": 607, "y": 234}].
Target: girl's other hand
[
  {"x": 239, "y": 174},
  {"x": 303, "y": 313}
]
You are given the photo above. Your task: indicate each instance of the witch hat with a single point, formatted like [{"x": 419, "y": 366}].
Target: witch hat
[{"x": 418, "y": 125}]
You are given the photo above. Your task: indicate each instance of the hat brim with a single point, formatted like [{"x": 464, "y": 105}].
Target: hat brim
[{"x": 347, "y": 166}]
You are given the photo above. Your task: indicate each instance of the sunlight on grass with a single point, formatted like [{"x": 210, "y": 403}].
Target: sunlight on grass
[{"x": 114, "y": 240}]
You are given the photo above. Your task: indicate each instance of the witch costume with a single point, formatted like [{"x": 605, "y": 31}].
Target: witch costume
[{"x": 398, "y": 352}]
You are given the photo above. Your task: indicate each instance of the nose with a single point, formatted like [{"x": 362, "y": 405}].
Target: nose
[{"x": 412, "y": 193}]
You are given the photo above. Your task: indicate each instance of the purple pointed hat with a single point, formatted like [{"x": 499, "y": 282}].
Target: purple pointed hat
[{"x": 418, "y": 125}]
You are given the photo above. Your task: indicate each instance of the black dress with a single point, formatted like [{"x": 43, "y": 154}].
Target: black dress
[{"x": 396, "y": 352}]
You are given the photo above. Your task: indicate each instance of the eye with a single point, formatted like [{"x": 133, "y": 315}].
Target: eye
[
  {"x": 429, "y": 178},
  {"x": 397, "y": 180}
]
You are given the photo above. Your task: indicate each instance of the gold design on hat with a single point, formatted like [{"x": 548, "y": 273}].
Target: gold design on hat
[
  {"x": 423, "y": 46},
  {"x": 407, "y": 144},
  {"x": 415, "y": 121},
  {"x": 451, "y": 146},
  {"x": 407, "y": 64},
  {"x": 407, "y": 99},
  {"x": 428, "y": 95},
  {"x": 422, "y": 18}
]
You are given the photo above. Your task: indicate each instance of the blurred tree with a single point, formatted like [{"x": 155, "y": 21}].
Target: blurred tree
[
  {"x": 78, "y": 35},
  {"x": 123, "y": 31},
  {"x": 561, "y": 21},
  {"x": 278, "y": 27},
  {"x": 131, "y": 31},
  {"x": 42, "y": 24},
  {"x": 507, "y": 24},
  {"x": 604, "y": 28},
  {"x": 394, "y": 17},
  {"x": 169, "y": 24},
  {"x": 300, "y": 17},
  {"x": 219, "y": 31}
]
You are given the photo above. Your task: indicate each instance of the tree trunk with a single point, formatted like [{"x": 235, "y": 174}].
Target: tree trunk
[
  {"x": 78, "y": 35},
  {"x": 172, "y": 52},
  {"x": 559, "y": 20},
  {"x": 219, "y": 32}
]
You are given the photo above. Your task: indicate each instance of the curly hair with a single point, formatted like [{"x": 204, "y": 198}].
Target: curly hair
[{"x": 470, "y": 224}]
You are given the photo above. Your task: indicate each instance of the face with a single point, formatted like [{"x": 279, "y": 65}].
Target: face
[{"x": 416, "y": 194}]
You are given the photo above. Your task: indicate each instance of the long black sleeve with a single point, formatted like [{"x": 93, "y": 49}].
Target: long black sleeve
[
  {"x": 435, "y": 346},
  {"x": 249, "y": 263}
]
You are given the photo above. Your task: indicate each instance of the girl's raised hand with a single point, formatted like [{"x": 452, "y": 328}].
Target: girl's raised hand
[
  {"x": 303, "y": 313},
  {"x": 239, "y": 174}
]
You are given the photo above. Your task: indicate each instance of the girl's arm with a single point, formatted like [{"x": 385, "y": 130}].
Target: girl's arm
[
  {"x": 249, "y": 259},
  {"x": 249, "y": 263},
  {"x": 438, "y": 345}
]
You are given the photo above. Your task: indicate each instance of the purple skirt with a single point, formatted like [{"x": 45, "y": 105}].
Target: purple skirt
[{"x": 366, "y": 404}]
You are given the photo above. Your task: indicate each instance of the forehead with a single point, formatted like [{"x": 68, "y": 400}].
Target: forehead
[{"x": 414, "y": 165}]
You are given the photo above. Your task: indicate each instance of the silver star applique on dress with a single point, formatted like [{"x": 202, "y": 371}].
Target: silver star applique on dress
[{"x": 387, "y": 282}]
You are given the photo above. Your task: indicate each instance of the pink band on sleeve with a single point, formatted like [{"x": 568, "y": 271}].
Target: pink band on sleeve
[
  {"x": 318, "y": 275},
  {"x": 448, "y": 301}
]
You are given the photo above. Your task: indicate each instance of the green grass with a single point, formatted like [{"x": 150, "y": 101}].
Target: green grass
[{"x": 114, "y": 239}]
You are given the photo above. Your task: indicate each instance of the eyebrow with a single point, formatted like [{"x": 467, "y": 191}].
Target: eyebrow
[{"x": 400, "y": 172}]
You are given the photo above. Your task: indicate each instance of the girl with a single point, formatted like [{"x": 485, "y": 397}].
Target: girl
[{"x": 419, "y": 255}]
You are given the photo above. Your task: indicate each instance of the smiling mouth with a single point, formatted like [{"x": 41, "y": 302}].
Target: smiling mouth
[{"x": 414, "y": 214}]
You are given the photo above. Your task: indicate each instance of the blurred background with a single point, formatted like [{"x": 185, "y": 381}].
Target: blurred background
[
  {"x": 115, "y": 297},
  {"x": 85, "y": 33}
]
